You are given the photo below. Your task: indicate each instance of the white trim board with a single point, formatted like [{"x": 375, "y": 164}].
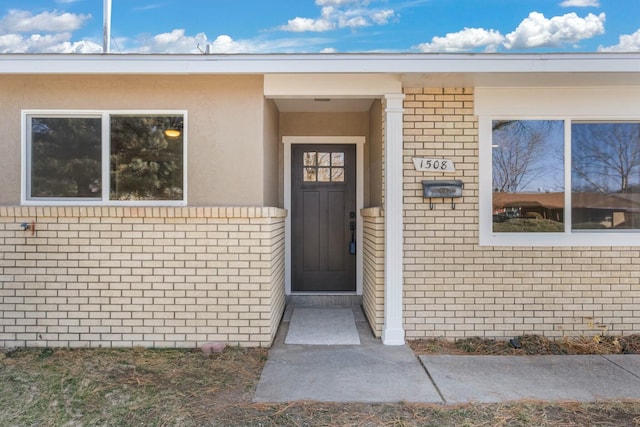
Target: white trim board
[{"x": 359, "y": 142}]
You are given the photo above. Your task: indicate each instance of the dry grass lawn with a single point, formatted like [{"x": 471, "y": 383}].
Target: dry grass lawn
[{"x": 138, "y": 387}]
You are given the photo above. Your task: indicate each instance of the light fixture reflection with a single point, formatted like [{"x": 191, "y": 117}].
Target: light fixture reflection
[{"x": 172, "y": 133}]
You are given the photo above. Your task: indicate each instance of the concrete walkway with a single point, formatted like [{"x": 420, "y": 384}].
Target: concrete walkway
[{"x": 372, "y": 372}]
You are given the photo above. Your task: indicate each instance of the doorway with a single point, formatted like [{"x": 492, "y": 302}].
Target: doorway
[{"x": 323, "y": 218}]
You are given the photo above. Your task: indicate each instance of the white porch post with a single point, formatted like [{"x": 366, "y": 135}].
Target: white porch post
[{"x": 392, "y": 330}]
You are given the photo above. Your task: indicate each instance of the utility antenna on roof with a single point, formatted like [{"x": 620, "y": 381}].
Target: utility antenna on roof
[
  {"x": 106, "y": 41},
  {"x": 206, "y": 50}
]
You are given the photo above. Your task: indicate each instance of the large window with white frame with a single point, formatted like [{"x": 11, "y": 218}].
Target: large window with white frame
[
  {"x": 104, "y": 157},
  {"x": 564, "y": 181}
]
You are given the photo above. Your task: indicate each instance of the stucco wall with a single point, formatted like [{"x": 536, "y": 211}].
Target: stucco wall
[
  {"x": 455, "y": 288},
  {"x": 374, "y": 154},
  {"x": 271, "y": 150},
  {"x": 225, "y": 134}
]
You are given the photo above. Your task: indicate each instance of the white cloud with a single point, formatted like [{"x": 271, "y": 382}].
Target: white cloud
[
  {"x": 178, "y": 41},
  {"x": 382, "y": 17},
  {"x": 46, "y": 32},
  {"x": 175, "y": 41},
  {"x": 533, "y": 32},
  {"x": 22, "y": 21},
  {"x": 627, "y": 43},
  {"x": 463, "y": 41},
  {"x": 49, "y": 43},
  {"x": 538, "y": 31},
  {"x": 301, "y": 25},
  {"x": 52, "y": 32},
  {"x": 580, "y": 3},
  {"x": 340, "y": 14}
]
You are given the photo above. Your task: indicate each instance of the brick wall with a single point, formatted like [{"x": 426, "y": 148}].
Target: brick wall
[
  {"x": 152, "y": 277},
  {"x": 455, "y": 288},
  {"x": 373, "y": 268}
]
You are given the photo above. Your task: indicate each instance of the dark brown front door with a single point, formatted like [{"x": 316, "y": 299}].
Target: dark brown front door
[{"x": 323, "y": 218}]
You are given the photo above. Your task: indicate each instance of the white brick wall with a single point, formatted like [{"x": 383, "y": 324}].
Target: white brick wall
[
  {"x": 455, "y": 288},
  {"x": 373, "y": 268},
  {"x": 152, "y": 277}
]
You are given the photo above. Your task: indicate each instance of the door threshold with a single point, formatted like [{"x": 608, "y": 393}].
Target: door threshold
[
  {"x": 311, "y": 299},
  {"x": 322, "y": 293}
]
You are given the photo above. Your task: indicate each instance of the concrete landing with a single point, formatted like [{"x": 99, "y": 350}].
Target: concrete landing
[{"x": 322, "y": 326}]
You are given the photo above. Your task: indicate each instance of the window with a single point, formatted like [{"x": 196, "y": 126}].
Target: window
[
  {"x": 323, "y": 167},
  {"x": 104, "y": 157},
  {"x": 528, "y": 175},
  {"x": 605, "y": 176},
  {"x": 576, "y": 179}
]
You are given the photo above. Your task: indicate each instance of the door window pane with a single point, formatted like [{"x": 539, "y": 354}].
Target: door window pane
[
  {"x": 337, "y": 174},
  {"x": 324, "y": 159},
  {"x": 323, "y": 167},
  {"x": 66, "y": 157},
  {"x": 528, "y": 175},
  {"x": 324, "y": 174},
  {"x": 310, "y": 159},
  {"x": 605, "y": 175},
  {"x": 310, "y": 175},
  {"x": 337, "y": 159}
]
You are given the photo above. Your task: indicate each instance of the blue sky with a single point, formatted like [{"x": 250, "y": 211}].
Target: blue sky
[{"x": 321, "y": 26}]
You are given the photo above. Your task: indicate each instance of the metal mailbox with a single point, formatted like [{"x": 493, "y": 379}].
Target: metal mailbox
[{"x": 442, "y": 189}]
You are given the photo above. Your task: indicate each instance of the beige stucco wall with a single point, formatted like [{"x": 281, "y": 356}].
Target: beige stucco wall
[
  {"x": 324, "y": 124},
  {"x": 455, "y": 288},
  {"x": 226, "y": 148},
  {"x": 374, "y": 154},
  {"x": 271, "y": 150}
]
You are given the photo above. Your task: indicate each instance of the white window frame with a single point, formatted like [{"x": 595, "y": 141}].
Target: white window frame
[
  {"x": 104, "y": 115},
  {"x": 563, "y": 104}
]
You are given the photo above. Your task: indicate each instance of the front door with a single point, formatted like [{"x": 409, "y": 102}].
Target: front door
[{"x": 323, "y": 218}]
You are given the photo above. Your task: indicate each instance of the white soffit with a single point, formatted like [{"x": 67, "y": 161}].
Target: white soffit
[
  {"x": 330, "y": 85},
  {"x": 323, "y": 105},
  {"x": 389, "y": 71}
]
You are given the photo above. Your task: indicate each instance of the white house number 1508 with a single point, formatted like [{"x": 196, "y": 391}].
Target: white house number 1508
[{"x": 434, "y": 165}]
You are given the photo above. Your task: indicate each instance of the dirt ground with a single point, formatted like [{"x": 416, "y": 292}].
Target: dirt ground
[
  {"x": 142, "y": 387},
  {"x": 530, "y": 345}
]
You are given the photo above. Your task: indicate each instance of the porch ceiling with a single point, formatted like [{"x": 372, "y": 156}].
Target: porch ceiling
[{"x": 323, "y": 105}]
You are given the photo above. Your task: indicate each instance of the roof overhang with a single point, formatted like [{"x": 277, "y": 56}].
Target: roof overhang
[{"x": 433, "y": 70}]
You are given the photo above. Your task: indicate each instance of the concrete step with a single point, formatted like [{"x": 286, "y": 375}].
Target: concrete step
[{"x": 324, "y": 300}]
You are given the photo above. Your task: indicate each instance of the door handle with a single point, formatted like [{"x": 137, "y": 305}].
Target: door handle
[{"x": 352, "y": 244}]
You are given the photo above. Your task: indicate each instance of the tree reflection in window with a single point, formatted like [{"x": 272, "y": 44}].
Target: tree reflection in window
[
  {"x": 146, "y": 158},
  {"x": 323, "y": 166},
  {"x": 66, "y": 157},
  {"x": 528, "y": 177},
  {"x": 605, "y": 175}
]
